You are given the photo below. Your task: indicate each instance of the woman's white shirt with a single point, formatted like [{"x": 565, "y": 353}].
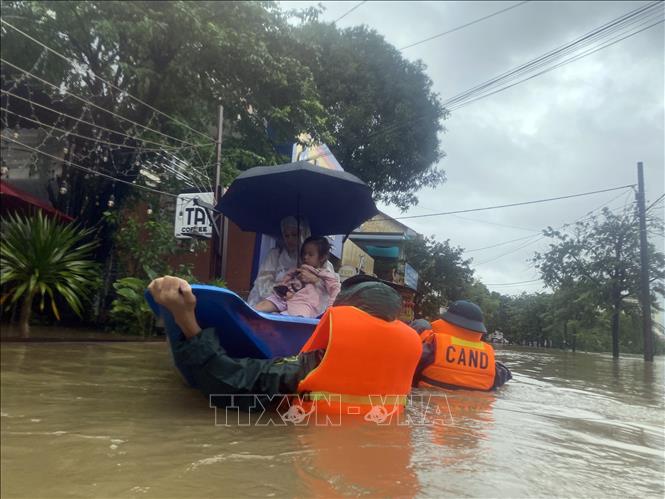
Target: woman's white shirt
[{"x": 272, "y": 270}]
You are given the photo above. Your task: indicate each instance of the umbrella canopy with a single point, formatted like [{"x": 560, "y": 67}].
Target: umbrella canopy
[{"x": 334, "y": 202}]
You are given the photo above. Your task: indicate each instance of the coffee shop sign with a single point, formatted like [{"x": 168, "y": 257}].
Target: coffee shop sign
[{"x": 192, "y": 220}]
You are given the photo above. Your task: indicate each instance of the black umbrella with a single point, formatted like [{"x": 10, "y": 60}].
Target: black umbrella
[{"x": 334, "y": 202}]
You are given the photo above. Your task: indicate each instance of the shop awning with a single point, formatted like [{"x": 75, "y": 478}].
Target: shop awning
[{"x": 13, "y": 199}]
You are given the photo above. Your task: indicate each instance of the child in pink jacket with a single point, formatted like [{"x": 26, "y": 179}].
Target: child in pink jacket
[{"x": 303, "y": 290}]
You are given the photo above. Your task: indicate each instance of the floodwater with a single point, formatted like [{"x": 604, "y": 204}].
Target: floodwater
[{"x": 115, "y": 420}]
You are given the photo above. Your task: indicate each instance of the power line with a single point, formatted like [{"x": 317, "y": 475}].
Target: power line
[
  {"x": 88, "y": 170},
  {"x": 92, "y": 103},
  {"x": 190, "y": 180},
  {"x": 652, "y": 204},
  {"x": 464, "y": 25},
  {"x": 33, "y": 103},
  {"x": 502, "y": 243},
  {"x": 511, "y": 204},
  {"x": 586, "y": 39},
  {"x": 476, "y": 93},
  {"x": 512, "y": 283},
  {"x": 513, "y": 250},
  {"x": 349, "y": 11},
  {"x": 123, "y": 92},
  {"x": 547, "y": 70},
  {"x": 486, "y": 222},
  {"x": 588, "y": 214},
  {"x": 533, "y": 231},
  {"x": 68, "y": 132}
]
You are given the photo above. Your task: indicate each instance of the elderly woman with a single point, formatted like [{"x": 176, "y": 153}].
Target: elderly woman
[{"x": 281, "y": 259}]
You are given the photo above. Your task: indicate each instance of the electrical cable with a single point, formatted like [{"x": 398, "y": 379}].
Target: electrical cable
[
  {"x": 502, "y": 243},
  {"x": 509, "y": 75},
  {"x": 67, "y": 132},
  {"x": 652, "y": 204},
  {"x": 88, "y": 170},
  {"x": 93, "y": 104},
  {"x": 547, "y": 70},
  {"x": 91, "y": 72},
  {"x": 463, "y": 25},
  {"x": 512, "y": 283},
  {"x": 349, "y": 11},
  {"x": 510, "y": 204},
  {"x": 589, "y": 37},
  {"x": 116, "y": 132},
  {"x": 587, "y": 215}
]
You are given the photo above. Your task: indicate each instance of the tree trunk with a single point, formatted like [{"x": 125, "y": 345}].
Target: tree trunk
[
  {"x": 24, "y": 318},
  {"x": 565, "y": 335},
  {"x": 616, "y": 309}
]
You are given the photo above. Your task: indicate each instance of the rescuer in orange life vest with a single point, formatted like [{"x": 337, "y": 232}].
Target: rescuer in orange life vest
[
  {"x": 454, "y": 355},
  {"x": 359, "y": 358}
]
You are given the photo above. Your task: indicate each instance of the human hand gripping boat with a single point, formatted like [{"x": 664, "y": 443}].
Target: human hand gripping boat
[{"x": 241, "y": 330}]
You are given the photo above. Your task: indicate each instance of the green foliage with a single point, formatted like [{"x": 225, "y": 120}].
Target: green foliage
[
  {"x": 349, "y": 88},
  {"x": 596, "y": 267},
  {"x": 41, "y": 257},
  {"x": 143, "y": 246},
  {"x": 130, "y": 312},
  {"x": 443, "y": 275},
  {"x": 380, "y": 108},
  {"x": 220, "y": 283},
  {"x": 490, "y": 303},
  {"x": 183, "y": 58}
]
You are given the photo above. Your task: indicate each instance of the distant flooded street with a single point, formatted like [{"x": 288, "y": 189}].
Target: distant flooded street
[{"x": 115, "y": 420}]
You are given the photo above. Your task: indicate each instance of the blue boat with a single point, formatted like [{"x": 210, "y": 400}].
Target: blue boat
[{"x": 242, "y": 331}]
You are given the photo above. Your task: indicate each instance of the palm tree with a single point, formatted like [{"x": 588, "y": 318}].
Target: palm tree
[{"x": 39, "y": 256}]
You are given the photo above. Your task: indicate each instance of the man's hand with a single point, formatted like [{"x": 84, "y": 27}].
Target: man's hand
[{"x": 176, "y": 295}]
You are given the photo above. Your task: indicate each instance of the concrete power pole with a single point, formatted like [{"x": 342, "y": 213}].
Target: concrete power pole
[
  {"x": 645, "y": 294},
  {"x": 218, "y": 220}
]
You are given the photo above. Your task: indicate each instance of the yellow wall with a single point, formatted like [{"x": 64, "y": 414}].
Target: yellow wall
[
  {"x": 379, "y": 223},
  {"x": 352, "y": 254}
]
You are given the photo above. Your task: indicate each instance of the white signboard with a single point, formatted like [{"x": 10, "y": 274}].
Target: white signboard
[{"x": 192, "y": 220}]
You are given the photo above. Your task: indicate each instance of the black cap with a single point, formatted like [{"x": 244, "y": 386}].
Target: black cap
[{"x": 465, "y": 314}]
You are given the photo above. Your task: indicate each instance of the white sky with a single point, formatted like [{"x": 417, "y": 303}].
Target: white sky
[{"x": 579, "y": 128}]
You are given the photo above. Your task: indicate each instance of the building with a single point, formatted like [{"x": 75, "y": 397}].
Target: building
[{"x": 384, "y": 240}]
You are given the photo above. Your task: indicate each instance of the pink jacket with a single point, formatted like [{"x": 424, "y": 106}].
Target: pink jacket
[{"x": 308, "y": 302}]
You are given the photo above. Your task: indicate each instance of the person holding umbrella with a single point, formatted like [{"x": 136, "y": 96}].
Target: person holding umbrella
[
  {"x": 282, "y": 259},
  {"x": 297, "y": 296},
  {"x": 291, "y": 199}
]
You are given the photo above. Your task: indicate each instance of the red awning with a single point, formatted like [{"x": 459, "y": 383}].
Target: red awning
[{"x": 13, "y": 199}]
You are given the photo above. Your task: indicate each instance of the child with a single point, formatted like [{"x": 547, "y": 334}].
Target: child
[{"x": 295, "y": 295}]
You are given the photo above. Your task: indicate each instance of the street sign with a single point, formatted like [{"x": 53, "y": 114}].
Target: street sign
[
  {"x": 410, "y": 277},
  {"x": 192, "y": 220}
]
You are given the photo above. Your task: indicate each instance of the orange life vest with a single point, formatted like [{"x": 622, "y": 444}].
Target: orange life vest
[
  {"x": 368, "y": 363},
  {"x": 425, "y": 335},
  {"x": 461, "y": 359}
]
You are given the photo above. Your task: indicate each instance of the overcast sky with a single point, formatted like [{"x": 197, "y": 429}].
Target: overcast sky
[{"x": 579, "y": 128}]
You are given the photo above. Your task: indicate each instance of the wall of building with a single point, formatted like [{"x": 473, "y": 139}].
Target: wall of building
[
  {"x": 353, "y": 256},
  {"x": 381, "y": 223}
]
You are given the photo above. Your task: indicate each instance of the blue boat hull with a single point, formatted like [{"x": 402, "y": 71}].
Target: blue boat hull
[{"x": 242, "y": 331}]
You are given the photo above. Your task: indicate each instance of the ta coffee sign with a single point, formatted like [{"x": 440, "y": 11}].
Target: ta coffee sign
[{"x": 192, "y": 220}]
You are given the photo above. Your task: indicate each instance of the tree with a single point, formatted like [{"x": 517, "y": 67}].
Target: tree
[
  {"x": 41, "y": 257},
  {"x": 443, "y": 275},
  {"x": 602, "y": 256},
  {"x": 181, "y": 58},
  {"x": 489, "y": 303},
  {"x": 381, "y": 109}
]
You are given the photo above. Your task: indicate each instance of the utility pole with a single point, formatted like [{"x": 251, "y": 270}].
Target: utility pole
[
  {"x": 645, "y": 295},
  {"x": 217, "y": 218}
]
